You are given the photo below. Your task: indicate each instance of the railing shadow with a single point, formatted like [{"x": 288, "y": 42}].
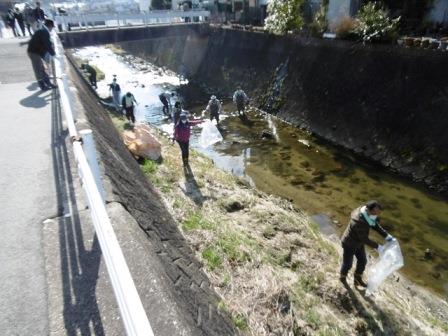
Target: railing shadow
[{"x": 79, "y": 267}]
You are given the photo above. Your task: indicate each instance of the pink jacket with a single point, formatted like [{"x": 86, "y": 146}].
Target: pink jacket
[{"x": 182, "y": 132}]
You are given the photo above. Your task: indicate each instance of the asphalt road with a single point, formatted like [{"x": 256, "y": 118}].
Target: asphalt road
[{"x": 28, "y": 194}]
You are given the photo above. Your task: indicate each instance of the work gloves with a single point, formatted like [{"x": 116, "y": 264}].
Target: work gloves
[
  {"x": 380, "y": 249},
  {"x": 389, "y": 238}
]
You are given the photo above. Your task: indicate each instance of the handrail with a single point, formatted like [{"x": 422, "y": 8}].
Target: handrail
[
  {"x": 90, "y": 19},
  {"x": 131, "y": 308}
]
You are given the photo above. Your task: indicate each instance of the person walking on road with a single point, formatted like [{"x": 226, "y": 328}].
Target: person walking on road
[
  {"x": 11, "y": 22},
  {"x": 127, "y": 102},
  {"x": 165, "y": 98},
  {"x": 28, "y": 16},
  {"x": 40, "y": 48},
  {"x": 20, "y": 20},
  {"x": 115, "y": 89},
  {"x": 240, "y": 99},
  {"x": 356, "y": 235},
  {"x": 182, "y": 132},
  {"x": 214, "y": 108},
  {"x": 39, "y": 16}
]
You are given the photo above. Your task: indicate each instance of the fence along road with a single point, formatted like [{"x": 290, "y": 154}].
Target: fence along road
[{"x": 134, "y": 316}]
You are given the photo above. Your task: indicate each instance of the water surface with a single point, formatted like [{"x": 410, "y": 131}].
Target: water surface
[{"x": 317, "y": 177}]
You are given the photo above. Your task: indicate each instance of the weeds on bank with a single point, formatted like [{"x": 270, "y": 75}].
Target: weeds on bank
[{"x": 259, "y": 251}]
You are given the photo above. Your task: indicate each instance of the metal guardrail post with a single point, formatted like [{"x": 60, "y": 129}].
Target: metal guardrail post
[{"x": 88, "y": 145}]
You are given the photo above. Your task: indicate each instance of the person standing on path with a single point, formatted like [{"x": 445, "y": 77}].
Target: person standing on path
[
  {"x": 182, "y": 133},
  {"x": 20, "y": 20},
  {"x": 115, "y": 89},
  {"x": 356, "y": 235},
  {"x": 28, "y": 15},
  {"x": 39, "y": 16},
  {"x": 127, "y": 102},
  {"x": 40, "y": 48},
  {"x": 214, "y": 108},
  {"x": 11, "y": 22}
]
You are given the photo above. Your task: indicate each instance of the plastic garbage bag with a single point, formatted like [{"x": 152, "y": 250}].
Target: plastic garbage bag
[
  {"x": 141, "y": 142},
  {"x": 390, "y": 261},
  {"x": 209, "y": 135}
]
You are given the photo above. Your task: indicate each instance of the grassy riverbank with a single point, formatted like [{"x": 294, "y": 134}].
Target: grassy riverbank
[{"x": 275, "y": 272}]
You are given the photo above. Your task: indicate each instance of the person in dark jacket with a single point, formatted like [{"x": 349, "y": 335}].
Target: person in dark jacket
[
  {"x": 214, "y": 108},
  {"x": 127, "y": 102},
  {"x": 182, "y": 132},
  {"x": 39, "y": 16},
  {"x": 20, "y": 20},
  {"x": 91, "y": 72},
  {"x": 356, "y": 235},
  {"x": 11, "y": 22},
  {"x": 40, "y": 48}
]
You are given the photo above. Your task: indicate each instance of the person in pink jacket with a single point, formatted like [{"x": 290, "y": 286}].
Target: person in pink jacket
[{"x": 182, "y": 132}]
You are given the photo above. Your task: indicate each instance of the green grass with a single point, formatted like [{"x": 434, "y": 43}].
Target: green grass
[
  {"x": 212, "y": 258},
  {"x": 149, "y": 167},
  {"x": 313, "y": 318},
  {"x": 197, "y": 222},
  {"x": 240, "y": 322},
  {"x": 331, "y": 331},
  {"x": 231, "y": 245}
]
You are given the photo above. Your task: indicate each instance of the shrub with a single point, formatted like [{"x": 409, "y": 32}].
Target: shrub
[
  {"x": 283, "y": 16},
  {"x": 320, "y": 22},
  {"x": 374, "y": 24},
  {"x": 346, "y": 28}
]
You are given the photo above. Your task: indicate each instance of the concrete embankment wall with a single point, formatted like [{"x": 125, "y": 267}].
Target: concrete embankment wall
[
  {"x": 385, "y": 103},
  {"x": 178, "y": 270}
]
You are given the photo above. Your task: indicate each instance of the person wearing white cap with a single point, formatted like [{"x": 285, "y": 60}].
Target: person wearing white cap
[{"x": 214, "y": 108}]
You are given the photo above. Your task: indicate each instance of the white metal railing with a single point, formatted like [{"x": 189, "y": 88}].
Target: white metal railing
[
  {"x": 132, "y": 312},
  {"x": 119, "y": 20}
]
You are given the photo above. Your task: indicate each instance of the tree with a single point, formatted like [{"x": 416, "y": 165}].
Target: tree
[
  {"x": 160, "y": 4},
  {"x": 284, "y": 15}
]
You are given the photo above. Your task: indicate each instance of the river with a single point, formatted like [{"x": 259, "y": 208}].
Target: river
[{"x": 327, "y": 182}]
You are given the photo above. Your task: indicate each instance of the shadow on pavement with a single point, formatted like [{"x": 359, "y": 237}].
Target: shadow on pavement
[
  {"x": 32, "y": 87},
  {"x": 35, "y": 100},
  {"x": 79, "y": 266}
]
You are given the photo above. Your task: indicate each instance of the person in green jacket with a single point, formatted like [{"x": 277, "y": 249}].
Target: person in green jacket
[{"x": 356, "y": 236}]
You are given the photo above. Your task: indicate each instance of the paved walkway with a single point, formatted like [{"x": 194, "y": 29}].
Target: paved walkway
[{"x": 28, "y": 193}]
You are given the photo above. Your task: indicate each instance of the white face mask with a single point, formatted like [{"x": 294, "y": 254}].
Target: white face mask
[
  {"x": 373, "y": 217},
  {"x": 183, "y": 121}
]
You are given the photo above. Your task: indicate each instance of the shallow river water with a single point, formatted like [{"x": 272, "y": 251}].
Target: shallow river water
[{"x": 325, "y": 181}]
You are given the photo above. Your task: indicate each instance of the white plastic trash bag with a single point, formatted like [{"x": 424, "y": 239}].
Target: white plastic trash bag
[
  {"x": 390, "y": 261},
  {"x": 209, "y": 135}
]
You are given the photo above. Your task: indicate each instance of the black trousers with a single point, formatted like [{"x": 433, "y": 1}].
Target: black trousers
[
  {"x": 240, "y": 107},
  {"x": 130, "y": 113},
  {"x": 184, "y": 148},
  {"x": 214, "y": 116},
  {"x": 347, "y": 260}
]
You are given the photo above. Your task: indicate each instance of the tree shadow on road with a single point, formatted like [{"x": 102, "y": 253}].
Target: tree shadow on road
[
  {"x": 36, "y": 100},
  {"x": 79, "y": 266}
]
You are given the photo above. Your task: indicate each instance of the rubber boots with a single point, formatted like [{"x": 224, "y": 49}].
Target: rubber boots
[{"x": 358, "y": 281}]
